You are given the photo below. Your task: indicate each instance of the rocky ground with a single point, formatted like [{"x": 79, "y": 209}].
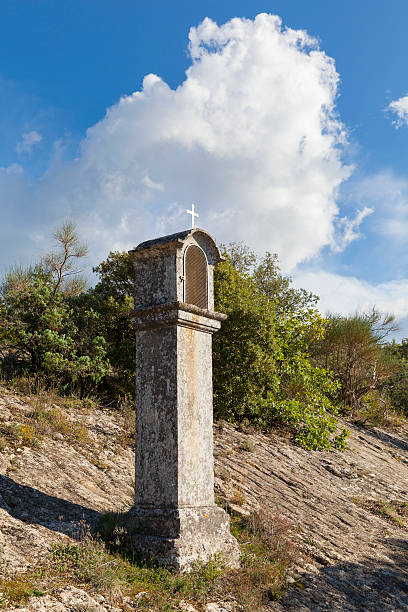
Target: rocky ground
[{"x": 348, "y": 510}]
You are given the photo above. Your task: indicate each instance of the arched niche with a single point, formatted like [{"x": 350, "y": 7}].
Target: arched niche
[{"x": 195, "y": 277}]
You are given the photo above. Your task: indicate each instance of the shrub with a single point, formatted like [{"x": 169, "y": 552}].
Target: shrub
[
  {"x": 352, "y": 348},
  {"x": 262, "y": 369},
  {"x": 37, "y": 328}
]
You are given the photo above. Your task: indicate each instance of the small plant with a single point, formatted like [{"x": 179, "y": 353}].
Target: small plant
[
  {"x": 268, "y": 553},
  {"x": 248, "y": 446},
  {"x": 224, "y": 474},
  {"x": 389, "y": 512},
  {"x": 393, "y": 512},
  {"x": 238, "y": 496},
  {"x": 377, "y": 411},
  {"x": 27, "y": 433},
  {"x": 12, "y": 433},
  {"x": 18, "y": 589},
  {"x": 100, "y": 564},
  {"x": 64, "y": 425}
]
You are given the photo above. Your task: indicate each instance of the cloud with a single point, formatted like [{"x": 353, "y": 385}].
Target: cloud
[
  {"x": 28, "y": 142},
  {"x": 387, "y": 193},
  {"x": 400, "y": 108},
  {"x": 347, "y": 294},
  {"x": 251, "y": 137},
  {"x": 350, "y": 229}
]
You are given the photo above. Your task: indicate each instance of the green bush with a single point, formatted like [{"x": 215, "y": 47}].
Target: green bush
[
  {"x": 262, "y": 367},
  {"x": 38, "y": 333}
]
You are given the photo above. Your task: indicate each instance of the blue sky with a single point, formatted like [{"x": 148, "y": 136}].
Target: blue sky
[{"x": 287, "y": 143}]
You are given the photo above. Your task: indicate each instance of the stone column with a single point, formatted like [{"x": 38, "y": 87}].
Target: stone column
[{"x": 175, "y": 521}]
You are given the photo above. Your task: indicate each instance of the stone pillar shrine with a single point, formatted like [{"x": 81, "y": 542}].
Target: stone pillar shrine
[{"x": 175, "y": 521}]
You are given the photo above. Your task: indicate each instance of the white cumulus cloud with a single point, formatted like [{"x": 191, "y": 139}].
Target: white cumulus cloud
[
  {"x": 251, "y": 137},
  {"x": 347, "y": 295},
  {"x": 400, "y": 108}
]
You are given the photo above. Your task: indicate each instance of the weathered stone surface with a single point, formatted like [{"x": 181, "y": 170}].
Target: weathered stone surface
[
  {"x": 358, "y": 560},
  {"x": 219, "y": 607},
  {"x": 54, "y": 490},
  {"x": 175, "y": 519},
  {"x": 181, "y": 537},
  {"x": 69, "y": 599},
  {"x": 163, "y": 282}
]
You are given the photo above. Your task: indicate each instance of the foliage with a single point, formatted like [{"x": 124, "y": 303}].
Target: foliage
[
  {"x": 244, "y": 350},
  {"x": 262, "y": 369},
  {"x": 352, "y": 349},
  {"x": 116, "y": 276},
  {"x": 110, "y": 304},
  {"x": 82, "y": 341},
  {"x": 37, "y": 328},
  {"x": 397, "y": 386},
  {"x": 266, "y": 274},
  {"x": 60, "y": 263},
  {"x": 109, "y": 319}
]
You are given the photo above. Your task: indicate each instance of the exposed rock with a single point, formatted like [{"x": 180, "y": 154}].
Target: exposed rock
[
  {"x": 218, "y": 607},
  {"x": 184, "y": 606},
  {"x": 357, "y": 557},
  {"x": 69, "y": 599}
]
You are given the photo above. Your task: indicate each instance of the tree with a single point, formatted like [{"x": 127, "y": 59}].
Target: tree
[
  {"x": 116, "y": 276},
  {"x": 352, "y": 348},
  {"x": 37, "y": 329},
  {"x": 262, "y": 368},
  {"x": 245, "y": 349},
  {"x": 266, "y": 274},
  {"x": 397, "y": 385},
  {"x": 111, "y": 304},
  {"x": 60, "y": 263}
]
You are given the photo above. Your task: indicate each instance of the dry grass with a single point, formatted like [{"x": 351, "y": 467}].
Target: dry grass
[
  {"x": 101, "y": 565},
  {"x": 126, "y": 436},
  {"x": 50, "y": 415},
  {"x": 268, "y": 552},
  {"x": 394, "y": 512},
  {"x": 238, "y": 496},
  {"x": 18, "y": 589},
  {"x": 377, "y": 412}
]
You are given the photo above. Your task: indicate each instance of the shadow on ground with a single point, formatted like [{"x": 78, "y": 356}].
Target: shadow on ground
[
  {"x": 32, "y": 506},
  {"x": 371, "y": 585},
  {"x": 383, "y": 436}
]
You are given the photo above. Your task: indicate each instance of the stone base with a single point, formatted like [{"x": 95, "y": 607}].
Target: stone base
[{"x": 180, "y": 537}]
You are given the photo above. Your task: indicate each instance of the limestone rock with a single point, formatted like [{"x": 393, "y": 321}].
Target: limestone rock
[
  {"x": 357, "y": 558},
  {"x": 69, "y": 599},
  {"x": 184, "y": 606}
]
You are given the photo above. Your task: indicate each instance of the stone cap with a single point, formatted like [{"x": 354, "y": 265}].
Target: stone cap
[
  {"x": 173, "y": 240},
  {"x": 177, "y": 313}
]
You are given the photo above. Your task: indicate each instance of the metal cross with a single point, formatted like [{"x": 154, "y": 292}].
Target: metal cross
[{"x": 193, "y": 214}]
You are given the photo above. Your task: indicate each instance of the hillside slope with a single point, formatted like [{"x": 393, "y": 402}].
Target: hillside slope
[{"x": 347, "y": 509}]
